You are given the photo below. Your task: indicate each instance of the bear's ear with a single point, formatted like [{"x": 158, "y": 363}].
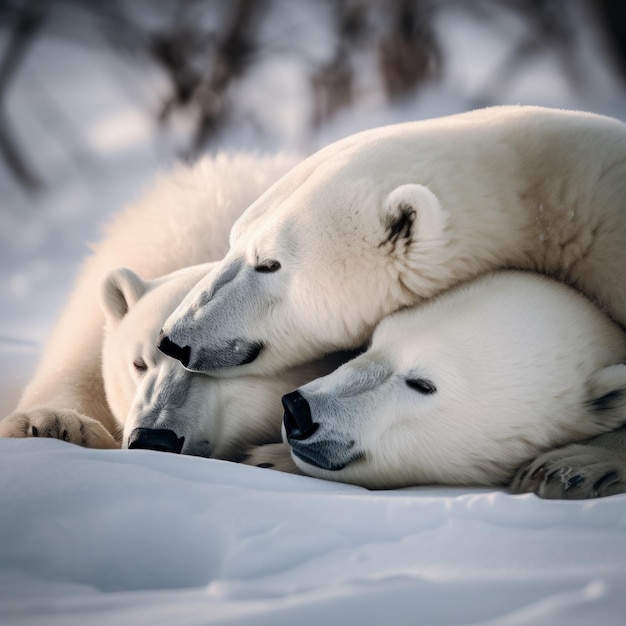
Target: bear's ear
[
  {"x": 119, "y": 291},
  {"x": 606, "y": 395},
  {"x": 412, "y": 213}
]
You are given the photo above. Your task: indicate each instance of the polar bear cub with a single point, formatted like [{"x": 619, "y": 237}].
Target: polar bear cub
[
  {"x": 162, "y": 406},
  {"x": 464, "y": 388},
  {"x": 183, "y": 220}
]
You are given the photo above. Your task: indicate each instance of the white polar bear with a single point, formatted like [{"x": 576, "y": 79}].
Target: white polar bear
[
  {"x": 184, "y": 220},
  {"x": 163, "y": 406},
  {"x": 465, "y": 388},
  {"x": 388, "y": 217}
]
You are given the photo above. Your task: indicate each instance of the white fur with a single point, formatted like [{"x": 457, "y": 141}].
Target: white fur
[
  {"x": 185, "y": 219},
  {"x": 388, "y": 217},
  {"x": 521, "y": 364},
  {"x": 219, "y": 418}
]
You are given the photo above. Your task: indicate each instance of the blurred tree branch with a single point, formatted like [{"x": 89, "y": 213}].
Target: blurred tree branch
[
  {"x": 333, "y": 82},
  {"x": 205, "y": 47},
  {"x": 612, "y": 17},
  {"x": 550, "y": 29},
  {"x": 233, "y": 55},
  {"x": 410, "y": 53},
  {"x": 200, "y": 64},
  {"x": 26, "y": 24}
]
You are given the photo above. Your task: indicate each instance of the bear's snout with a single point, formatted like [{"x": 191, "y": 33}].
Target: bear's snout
[
  {"x": 299, "y": 424},
  {"x": 180, "y": 353},
  {"x": 160, "y": 439}
]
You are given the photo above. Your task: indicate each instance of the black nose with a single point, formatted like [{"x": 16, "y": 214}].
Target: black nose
[
  {"x": 299, "y": 424},
  {"x": 156, "y": 439},
  {"x": 167, "y": 346}
]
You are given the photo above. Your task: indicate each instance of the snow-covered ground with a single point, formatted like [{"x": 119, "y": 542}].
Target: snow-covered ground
[
  {"x": 138, "y": 537},
  {"x": 134, "y": 537}
]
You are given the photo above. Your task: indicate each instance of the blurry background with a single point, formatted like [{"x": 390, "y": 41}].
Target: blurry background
[{"x": 96, "y": 98}]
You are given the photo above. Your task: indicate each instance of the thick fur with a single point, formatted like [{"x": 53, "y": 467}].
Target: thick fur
[
  {"x": 184, "y": 220},
  {"x": 388, "y": 217},
  {"x": 465, "y": 388},
  {"x": 213, "y": 417}
]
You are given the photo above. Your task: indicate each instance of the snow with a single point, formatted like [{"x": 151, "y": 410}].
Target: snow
[
  {"x": 143, "y": 537},
  {"x": 139, "y": 537}
]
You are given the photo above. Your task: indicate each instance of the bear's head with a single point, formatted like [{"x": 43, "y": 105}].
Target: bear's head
[
  {"x": 159, "y": 404},
  {"x": 464, "y": 389},
  {"x": 314, "y": 264}
]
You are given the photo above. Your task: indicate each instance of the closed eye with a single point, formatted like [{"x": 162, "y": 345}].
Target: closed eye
[
  {"x": 140, "y": 365},
  {"x": 267, "y": 267},
  {"x": 421, "y": 385}
]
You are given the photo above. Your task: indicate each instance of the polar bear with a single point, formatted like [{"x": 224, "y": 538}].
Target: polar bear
[
  {"x": 184, "y": 220},
  {"x": 465, "y": 388},
  {"x": 163, "y": 406},
  {"x": 385, "y": 218}
]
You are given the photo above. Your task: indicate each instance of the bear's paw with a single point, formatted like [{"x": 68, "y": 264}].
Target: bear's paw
[
  {"x": 64, "y": 424},
  {"x": 574, "y": 472}
]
